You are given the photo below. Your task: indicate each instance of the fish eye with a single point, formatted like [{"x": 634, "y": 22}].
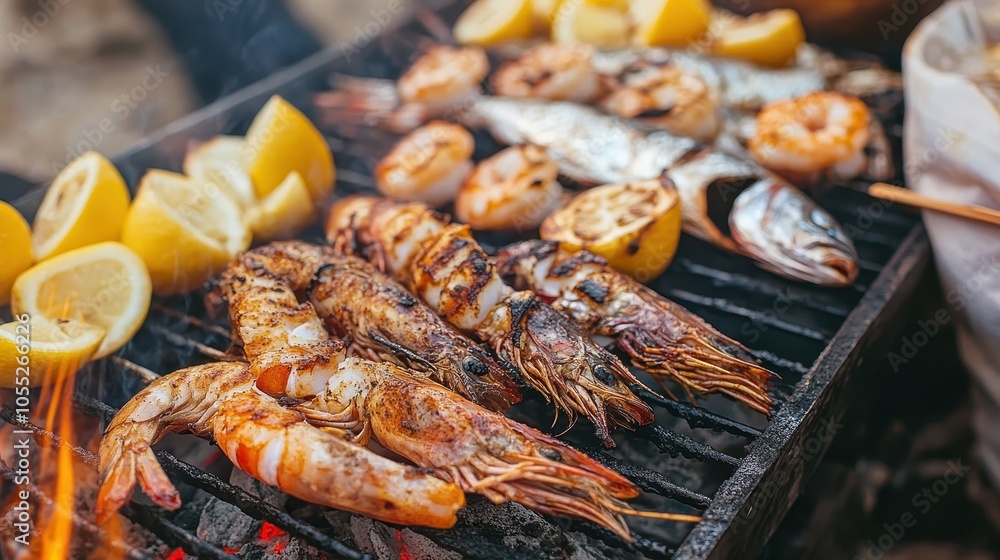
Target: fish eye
[
  {"x": 821, "y": 219},
  {"x": 472, "y": 365},
  {"x": 604, "y": 375}
]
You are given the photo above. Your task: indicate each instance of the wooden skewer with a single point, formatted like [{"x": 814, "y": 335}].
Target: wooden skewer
[{"x": 910, "y": 198}]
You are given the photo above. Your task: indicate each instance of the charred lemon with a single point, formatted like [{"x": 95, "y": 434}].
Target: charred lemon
[
  {"x": 635, "y": 226},
  {"x": 770, "y": 38}
]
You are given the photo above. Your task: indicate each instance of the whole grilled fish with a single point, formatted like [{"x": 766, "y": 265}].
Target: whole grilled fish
[{"x": 730, "y": 202}]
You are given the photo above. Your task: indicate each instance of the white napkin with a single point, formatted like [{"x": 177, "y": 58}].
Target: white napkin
[{"x": 952, "y": 152}]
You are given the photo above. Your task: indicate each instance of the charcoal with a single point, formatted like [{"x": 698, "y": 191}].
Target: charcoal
[
  {"x": 224, "y": 525},
  {"x": 265, "y": 492}
]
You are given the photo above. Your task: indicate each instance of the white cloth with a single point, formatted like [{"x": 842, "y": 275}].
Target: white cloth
[{"x": 952, "y": 152}]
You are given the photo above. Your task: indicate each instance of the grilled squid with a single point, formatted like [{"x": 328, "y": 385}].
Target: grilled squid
[
  {"x": 659, "y": 336},
  {"x": 443, "y": 265}
]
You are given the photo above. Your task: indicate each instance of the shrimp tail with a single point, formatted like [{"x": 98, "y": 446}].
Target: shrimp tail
[
  {"x": 119, "y": 479},
  {"x": 565, "y": 365},
  {"x": 185, "y": 400}
]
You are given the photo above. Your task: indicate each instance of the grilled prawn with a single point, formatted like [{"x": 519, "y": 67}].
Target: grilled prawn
[
  {"x": 460, "y": 437},
  {"x": 270, "y": 442},
  {"x": 486, "y": 453},
  {"x": 443, "y": 265},
  {"x": 659, "y": 336},
  {"x": 381, "y": 320}
]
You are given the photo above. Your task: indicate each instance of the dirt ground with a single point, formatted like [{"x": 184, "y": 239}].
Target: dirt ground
[{"x": 99, "y": 74}]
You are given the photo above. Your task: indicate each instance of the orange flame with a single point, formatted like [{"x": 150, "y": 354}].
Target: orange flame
[{"x": 55, "y": 525}]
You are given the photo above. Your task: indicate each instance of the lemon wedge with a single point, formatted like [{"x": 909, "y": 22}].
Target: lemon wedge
[
  {"x": 184, "y": 230},
  {"x": 769, "y": 38},
  {"x": 594, "y": 24},
  {"x": 85, "y": 204},
  {"x": 281, "y": 140},
  {"x": 545, "y": 12},
  {"x": 105, "y": 285},
  {"x": 487, "y": 22},
  {"x": 669, "y": 23},
  {"x": 218, "y": 161},
  {"x": 15, "y": 238},
  {"x": 635, "y": 226},
  {"x": 37, "y": 350},
  {"x": 283, "y": 213}
]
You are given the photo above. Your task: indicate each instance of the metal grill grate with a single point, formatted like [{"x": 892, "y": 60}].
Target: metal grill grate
[{"x": 718, "y": 459}]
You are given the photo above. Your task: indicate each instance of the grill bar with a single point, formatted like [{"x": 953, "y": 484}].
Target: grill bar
[
  {"x": 153, "y": 519},
  {"x": 697, "y": 417},
  {"x": 651, "y": 481},
  {"x": 677, "y": 444}
]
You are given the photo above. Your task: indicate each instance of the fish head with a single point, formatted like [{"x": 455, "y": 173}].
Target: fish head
[{"x": 789, "y": 234}]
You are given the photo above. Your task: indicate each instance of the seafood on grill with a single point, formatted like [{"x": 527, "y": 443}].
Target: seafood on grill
[
  {"x": 660, "y": 336},
  {"x": 732, "y": 203},
  {"x": 444, "y": 77},
  {"x": 443, "y": 265},
  {"x": 482, "y": 451},
  {"x": 513, "y": 189},
  {"x": 558, "y": 72},
  {"x": 277, "y": 445},
  {"x": 380, "y": 320},
  {"x": 822, "y": 133},
  {"x": 495, "y": 456},
  {"x": 428, "y": 165},
  {"x": 668, "y": 97}
]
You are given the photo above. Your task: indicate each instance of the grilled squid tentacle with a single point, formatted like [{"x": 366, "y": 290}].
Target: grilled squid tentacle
[{"x": 659, "y": 336}]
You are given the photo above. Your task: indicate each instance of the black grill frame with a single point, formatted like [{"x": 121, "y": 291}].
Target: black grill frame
[{"x": 749, "y": 505}]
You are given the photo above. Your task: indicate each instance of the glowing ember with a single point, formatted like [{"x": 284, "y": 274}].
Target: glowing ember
[
  {"x": 270, "y": 531},
  {"x": 404, "y": 552},
  {"x": 230, "y": 549},
  {"x": 177, "y": 554}
]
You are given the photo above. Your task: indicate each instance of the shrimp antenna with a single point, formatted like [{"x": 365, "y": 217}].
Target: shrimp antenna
[{"x": 395, "y": 347}]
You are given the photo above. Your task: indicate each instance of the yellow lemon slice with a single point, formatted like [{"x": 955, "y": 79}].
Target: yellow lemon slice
[
  {"x": 281, "y": 140},
  {"x": 635, "y": 226},
  {"x": 184, "y": 230},
  {"x": 37, "y": 351},
  {"x": 769, "y": 38},
  {"x": 594, "y": 24},
  {"x": 487, "y": 22},
  {"x": 283, "y": 213},
  {"x": 105, "y": 285},
  {"x": 85, "y": 204},
  {"x": 218, "y": 161},
  {"x": 15, "y": 238},
  {"x": 669, "y": 23}
]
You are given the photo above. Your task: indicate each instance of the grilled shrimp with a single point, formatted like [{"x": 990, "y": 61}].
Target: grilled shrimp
[
  {"x": 444, "y": 265},
  {"x": 381, "y": 319},
  {"x": 444, "y": 77},
  {"x": 550, "y": 71},
  {"x": 428, "y": 165},
  {"x": 289, "y": 349},
  {"x": 482, "y": 451},
  {"x": 421, "y": 428},
  {"x": 668, "y": 97},
  {"x": 385, "y": 322},
  {"x": 279, "y": 447},
  {"x": 514, "y": 189},
  {"x": 186, "y": 400},
  {"x": 659, "y": 336},
  {"x": 823, "y": 132}
]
